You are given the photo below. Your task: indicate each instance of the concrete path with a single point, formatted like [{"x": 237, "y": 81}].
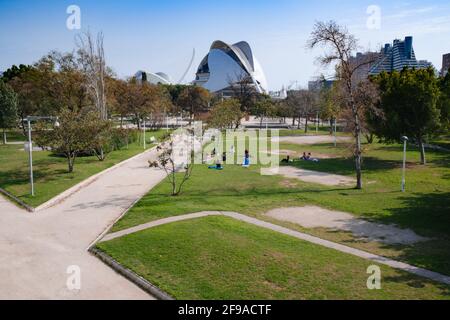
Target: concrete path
[
  {"x": 37, "y": 248},
  {"x": 299, "y": 235}
]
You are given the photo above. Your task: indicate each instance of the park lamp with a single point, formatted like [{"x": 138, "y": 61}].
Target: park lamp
[{"x": 29, "y": 119}]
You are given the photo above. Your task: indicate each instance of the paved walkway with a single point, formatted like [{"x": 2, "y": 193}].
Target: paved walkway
[
  {"x": 37, "y": 248},
  {"x": 299, "y": 235}
]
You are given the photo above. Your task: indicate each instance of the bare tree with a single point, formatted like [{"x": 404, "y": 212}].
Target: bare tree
[
  {"x": 169, "y": 160},
  {"x": 92, "y": 58},
  {"x": 342, "y": 45},
  {"x": 243, "y": 89}
]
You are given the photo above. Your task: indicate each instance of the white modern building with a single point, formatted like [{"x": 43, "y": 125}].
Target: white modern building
[
  {"x": 226, "y": 65},
  {"x": 153, "y": 78}
]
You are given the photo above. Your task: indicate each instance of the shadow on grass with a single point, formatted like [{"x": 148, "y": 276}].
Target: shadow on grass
[
  {"x": 346, "y": 167},
  {"x": 417, "y": 282}
]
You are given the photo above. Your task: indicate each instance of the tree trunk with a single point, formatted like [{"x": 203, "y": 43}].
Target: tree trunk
[
  {"x": 331, "y": 126},
  {"x": 71, "y": 161},
  {"x": 4, "y": 136},
  {"x": 423, "y": 159},
  {"x": 306, "y": 124},
  {"x": 358, "y": 151},
  {"x": 293, "y": 121}
]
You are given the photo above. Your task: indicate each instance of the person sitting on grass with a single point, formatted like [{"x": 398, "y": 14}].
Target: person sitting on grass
[
  {"x": 287, "y": 160},
  {"x": 246, "y": 163},
  {"x": 217, "y": 166},
  {"x": 304, "y": 157}
]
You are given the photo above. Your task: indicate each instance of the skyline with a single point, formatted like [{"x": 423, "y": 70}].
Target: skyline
[{"x": 160, "y": 37}]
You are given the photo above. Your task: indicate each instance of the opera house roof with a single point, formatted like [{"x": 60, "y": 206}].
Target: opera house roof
[{"x": 226, "y": 64}]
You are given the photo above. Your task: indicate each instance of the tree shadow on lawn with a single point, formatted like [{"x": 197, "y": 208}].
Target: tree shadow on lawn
[
  {"x": 346, "y": 166},
  {"x": 417, "y": 282},
  {"x": 426, "y": 213},
  {"x": 12, "y": 178},
  {"x": 429, "y": 216}
]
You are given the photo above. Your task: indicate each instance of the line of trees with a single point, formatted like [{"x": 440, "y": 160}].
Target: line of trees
[
  {"x": 84, "y": 94},
  {"x": 415, "y": 103}
]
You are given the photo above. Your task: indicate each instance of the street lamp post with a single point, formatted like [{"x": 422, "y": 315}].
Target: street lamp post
[
  {"x": 405, "y": 140},
  {"x": 30, "y": 156},
  {"x": 30, "y": 145},
  {"x": 317, "y": 122},
  {"x": 145, "y": 145},
  {"x": 335, "y": 130}
]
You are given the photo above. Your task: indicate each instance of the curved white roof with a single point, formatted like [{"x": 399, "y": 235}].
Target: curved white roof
[
  {"x": 225, "y": 63},
  {"x": 153, "y": 78}
]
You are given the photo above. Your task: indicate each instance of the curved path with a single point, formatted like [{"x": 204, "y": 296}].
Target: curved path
[
  {"x": 299, "y": 235},
  {"x": 37, "y": 248}
]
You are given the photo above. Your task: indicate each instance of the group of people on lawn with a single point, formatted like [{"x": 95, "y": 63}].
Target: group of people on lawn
[
  {"x": 304, "y": 157},
  {"x": 219, "y": 164},
  {"x": 246, "y": 163}
]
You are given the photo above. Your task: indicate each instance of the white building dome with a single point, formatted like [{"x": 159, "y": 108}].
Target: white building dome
[{"x": 225, "y": 64}]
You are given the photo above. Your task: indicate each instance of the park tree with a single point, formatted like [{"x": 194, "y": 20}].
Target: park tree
[
  {"x": 330, "y": 104},
  {"x": 264, "y": 107},
  {"x": 341, "y": 46},
  {"x": 91, "y": 57},
  {"x": 176, "y": 157},
  {"x": 225, "y": 115},
  {"x": 14, "y": 71},
  {"x": 8, "y": 108},
  {"x": 194, "y": 100},
  {"x": 31, "y": 87},
  {"x": 68, "y": 136},
  {"x": 409, "y": 106},
  {"x": 243, "y": 89},
  {"x": 444, "y": 102}
]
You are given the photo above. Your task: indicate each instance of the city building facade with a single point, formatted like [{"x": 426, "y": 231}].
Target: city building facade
[
  {"x": 397, "y": 56},
  {"x": 445, "y": 64}
]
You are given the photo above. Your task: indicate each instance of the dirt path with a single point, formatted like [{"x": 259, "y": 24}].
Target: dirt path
[
  {"x": 324, "y": 178},
  {"x": 316, "y": 217},
  {"x": 308, "y": 140},
  {"x": 299, "y": 235},
  {"x": 37, "y": 248}
]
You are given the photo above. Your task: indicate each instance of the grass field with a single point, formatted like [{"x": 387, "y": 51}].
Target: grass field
[
  {"x": 220, "y": 258},
  {"x": 50, "y": 171},
  {"x": 425, "y": 207}
]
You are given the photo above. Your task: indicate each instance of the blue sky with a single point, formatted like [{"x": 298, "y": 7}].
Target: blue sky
[{"x": 160, "y": 35}]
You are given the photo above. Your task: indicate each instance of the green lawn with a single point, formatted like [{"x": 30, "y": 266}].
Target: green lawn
[
  {"x": 221, "y": 258},
  {"x": 14, "y": 136},
  {"x": 50, "y": 171},
  {"x": 425, "y": 207},
  {"x": 323, "y": 130}
]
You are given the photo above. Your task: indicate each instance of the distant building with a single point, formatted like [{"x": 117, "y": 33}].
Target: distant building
[
  {"x": 398, "y": 56},
  {"x": 366, "y": 61},
  {"x": 317, "y": 85},
  {"x": 278, "y": 95},
  {"x": 225, "y": 66},
  {"x": 153, "y": 78},
  {"x": 445, "y": 64}
]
